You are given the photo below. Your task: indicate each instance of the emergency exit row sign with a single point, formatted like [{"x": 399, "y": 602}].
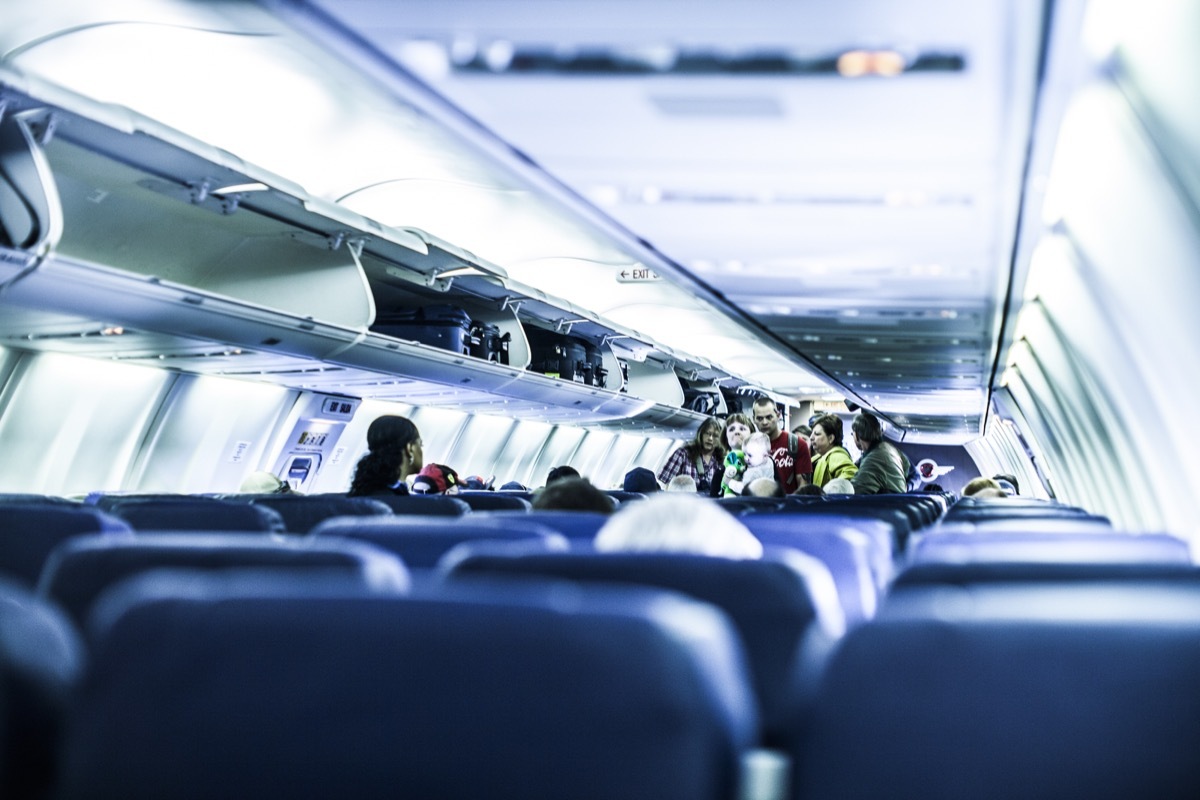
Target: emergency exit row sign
[{"x": 636, "y": 275}]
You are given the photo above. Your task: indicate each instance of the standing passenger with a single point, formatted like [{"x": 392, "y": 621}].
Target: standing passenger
[
  {"x": 793, "y": 463},
  {"x": 883, "y": 468},
  {"x": 701, "y": 458},
  {"x": 833, "y": 460},
  {"x": 394, "y": 453}
]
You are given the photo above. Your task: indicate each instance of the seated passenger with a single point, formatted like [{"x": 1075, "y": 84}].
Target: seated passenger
[
  {"x": 977, "y": 485},
  {"x": 640, "y": 479},
  {"x": 763, "y": 487},
  {"x": 839, "y": 486},
  {"x": 882, "y": 469},
  {"x": 1007, "y": 482},
  {"x": 677, "y": 522},
  {"x": 477, "y": 482},
  {"x": 514, "y": 486},
  {"x": 572, "y": 494},
  {"x": 262, "y": 482},
  {"x": 810, "y": 489},
  {"x": 394, "y": 453},
  {"x": 682, "y": 483},
  {"x": 436, "y": 479},
  {"x": 558, "y": 473}
]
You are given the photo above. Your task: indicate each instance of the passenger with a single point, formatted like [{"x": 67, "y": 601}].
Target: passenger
[
  {"x": 682, "y": 483},
  {"x": 738, "y": 428},
  {"x": 758, "y": 462},
  {"x": 839, "y": 486},
  {"x": 558, "y": 473},
  {"x": 436, "y": 479},
  {"x": 810, "y": 489},
  {"x": 676, "y": 522},
  {"x": 790, "y": 454},
  {"x": 477, "y": 482},
  {"x": 262, "y": 482},
  {"x": 763, "y": 487},
  {"x": 977, "y": 485},
  {"x": 699, "y": 458},
  {"x": 572, "y": 494},
  {"x": 640, "y": 479},
  {"x": 514, "y": 486},
  {"x": 803, "y": 431},
  {"x": 1008, "y": 483},
  {"x": 882, "y": 469},
  {"x": 394, "y": 453},
  {"x": 989, "y": 493},
  {"x": 833, "y": 459}
]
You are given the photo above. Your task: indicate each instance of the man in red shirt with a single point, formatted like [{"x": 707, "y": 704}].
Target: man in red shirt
[{"x": 793, "y": 463}]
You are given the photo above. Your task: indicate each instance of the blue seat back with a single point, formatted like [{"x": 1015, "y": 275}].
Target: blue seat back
[
  {"x": 425, "y": 505},
  {"x": 30, "y": 531},
  {"x": 769, "y": 601},
  {"x": 303, "y": 513},
  {"x": 41, "y": 659},
  {"x": 422, "y": 541},
  {"x": 456, "y": 694},
  {"x": 623, "y": 497},
  {"x": 482, "y": 500},
  {"x": 1007, "y": 690},
  {"x": 852, "y": 557},
  {"x": 79, "y": 570},
  {"x": 194, "y": 513},
  {"x": 580, "y": 525},
  {"x": 1086, "y": 546}
]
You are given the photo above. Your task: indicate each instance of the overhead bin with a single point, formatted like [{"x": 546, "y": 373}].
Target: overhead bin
[{"x": 156, "y": 233}]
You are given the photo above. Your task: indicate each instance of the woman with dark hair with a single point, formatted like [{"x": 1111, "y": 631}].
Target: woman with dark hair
[
  {"x": 394, "y": 453},
  {"x": 701, "y": 458},
  {"x": 832, "y": 459}
]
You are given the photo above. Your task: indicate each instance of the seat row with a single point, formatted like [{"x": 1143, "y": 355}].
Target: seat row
[{"x": 319, "y": 679}]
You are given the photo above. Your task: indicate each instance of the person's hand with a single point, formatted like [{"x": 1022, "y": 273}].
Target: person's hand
[{"x": 730, "y": 473}]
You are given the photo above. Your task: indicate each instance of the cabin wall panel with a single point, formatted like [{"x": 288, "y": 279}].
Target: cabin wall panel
[
  {"x": 1113, "y": 286},
  {"x": 210, "y": 433},
  {"x": 72, "y": 425}
]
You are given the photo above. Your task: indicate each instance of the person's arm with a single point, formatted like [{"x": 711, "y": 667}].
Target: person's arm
[
  {"x": 802, "y": 463},
  {"x": 675, "y": 465}
]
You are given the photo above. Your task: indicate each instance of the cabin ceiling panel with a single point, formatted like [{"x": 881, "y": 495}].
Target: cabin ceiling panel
[{"x": 872, "y": 216}]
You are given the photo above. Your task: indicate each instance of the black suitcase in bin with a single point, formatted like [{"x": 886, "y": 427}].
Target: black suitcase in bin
[
  {"x": 558, "y": 355},
  {"x": 444, "y": 326},
  {"x": 488, "y": 344},
  {"x": 599, "y": 375}
]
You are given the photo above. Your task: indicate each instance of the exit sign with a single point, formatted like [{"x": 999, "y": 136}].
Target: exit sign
[{"x": 636, "y": 275}]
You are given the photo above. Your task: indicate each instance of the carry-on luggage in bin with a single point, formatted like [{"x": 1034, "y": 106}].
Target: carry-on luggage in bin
[
  {"x": 558, "y": 355},
  {"x": 444, "y": 326},
  {"x": 488, "y": 344},
  {"x": 599, "y": 375}
]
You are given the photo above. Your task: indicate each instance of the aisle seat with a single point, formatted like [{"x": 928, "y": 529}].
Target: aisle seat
[
  {"x": 29, "y": 532},
  {"x": 194, "y": 513},
  {"x": 458, "y": 693},
  {"x": 1013, "y": 689},
  {"x": 422, "y": 541},
  {"x": 79, "y": 570},
  {"x": 773, "y": 602}
]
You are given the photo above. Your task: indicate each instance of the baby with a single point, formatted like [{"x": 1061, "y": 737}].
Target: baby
[{"x": 757, "y": 452}]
